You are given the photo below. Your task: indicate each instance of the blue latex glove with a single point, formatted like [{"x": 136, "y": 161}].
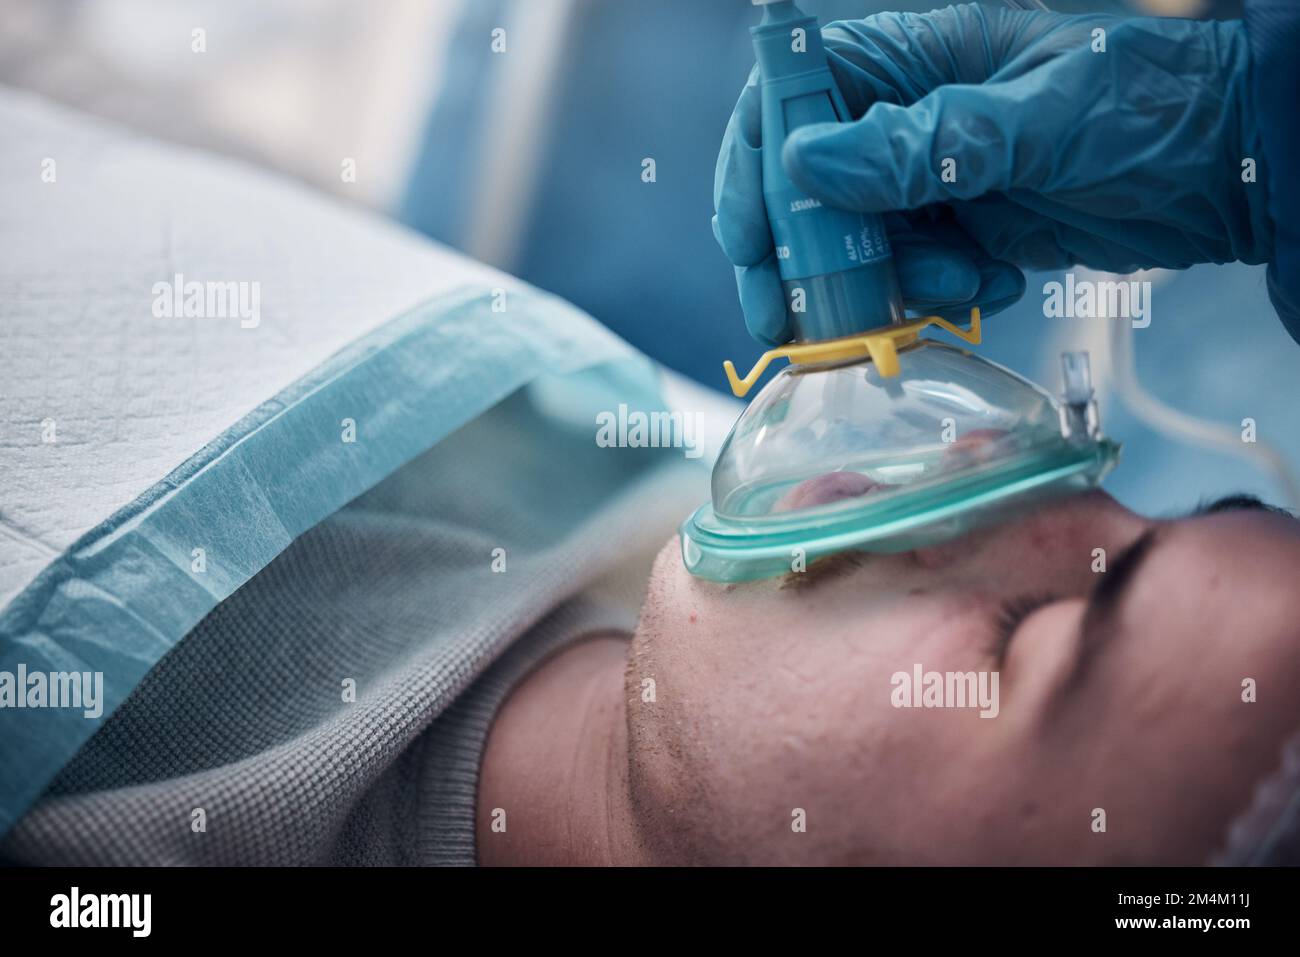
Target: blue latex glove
[
  {"x": 1124, "y": 159},
  {"x": 1273, "y": 27}
]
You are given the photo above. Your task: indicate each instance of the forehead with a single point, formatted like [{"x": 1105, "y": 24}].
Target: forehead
[
  {"x": 1214, "y": 577},
  {"x": 1250, "y": 538}
]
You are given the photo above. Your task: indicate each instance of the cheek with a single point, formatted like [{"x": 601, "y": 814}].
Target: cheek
[
  {"x": 811, "y": 723},
  {"x": 766, "y": 700}
]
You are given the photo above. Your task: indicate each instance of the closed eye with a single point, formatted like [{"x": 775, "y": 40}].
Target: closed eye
[{"x": 1008, "y": 618}]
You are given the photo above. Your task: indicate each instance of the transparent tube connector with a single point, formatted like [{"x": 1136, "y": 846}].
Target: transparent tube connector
[{"x": 1080, "y": 420}]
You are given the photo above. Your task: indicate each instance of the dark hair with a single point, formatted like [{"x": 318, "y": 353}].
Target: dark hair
[{"x": 1240, "y": 502}]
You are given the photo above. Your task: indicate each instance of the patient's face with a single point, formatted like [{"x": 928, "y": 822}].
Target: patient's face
[{"x": 773, "y": 734}]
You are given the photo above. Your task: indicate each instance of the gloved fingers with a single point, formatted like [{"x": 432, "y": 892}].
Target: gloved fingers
[
  {"x": 901, "y": 57},
  {"x": 763, "y": 302},
  {"x": 957, "y": 143},
  {"x": 931, "y": 274},
  {"x": 876, "y": 60},
  {"x": 1001, "y": 285},
  {"x": 935, "y": 239},
  {"x": 740, "y": 225},
  {"x": 1006, "y": 228},
  {"x": 1075, "y": 232}
]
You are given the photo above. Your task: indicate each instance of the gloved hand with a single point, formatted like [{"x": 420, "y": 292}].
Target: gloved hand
[{"x": 1124, "y": 159}]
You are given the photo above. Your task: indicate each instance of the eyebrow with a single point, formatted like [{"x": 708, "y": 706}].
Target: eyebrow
[{"x": 1107, "y": 598}]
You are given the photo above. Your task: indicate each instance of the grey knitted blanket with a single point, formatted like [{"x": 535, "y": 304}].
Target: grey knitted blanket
[{"x": 334, "y": 709}]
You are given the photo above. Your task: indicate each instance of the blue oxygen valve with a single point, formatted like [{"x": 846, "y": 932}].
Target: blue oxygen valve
[{"x": 836, "y": 266}]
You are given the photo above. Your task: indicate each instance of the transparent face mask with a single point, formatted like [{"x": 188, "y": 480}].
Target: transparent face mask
[
  {"x": 874, "y": 438},
  {"x": 831, "y": 456}
]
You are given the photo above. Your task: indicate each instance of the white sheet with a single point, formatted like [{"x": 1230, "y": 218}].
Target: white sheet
[{"x": 131, "y": 396}]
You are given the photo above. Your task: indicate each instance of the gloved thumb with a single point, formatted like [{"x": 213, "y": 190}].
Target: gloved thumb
[{"x": 959, "y": 142}]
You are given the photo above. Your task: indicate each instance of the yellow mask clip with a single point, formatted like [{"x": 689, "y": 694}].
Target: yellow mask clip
[{"x": 881, "y": 345}]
